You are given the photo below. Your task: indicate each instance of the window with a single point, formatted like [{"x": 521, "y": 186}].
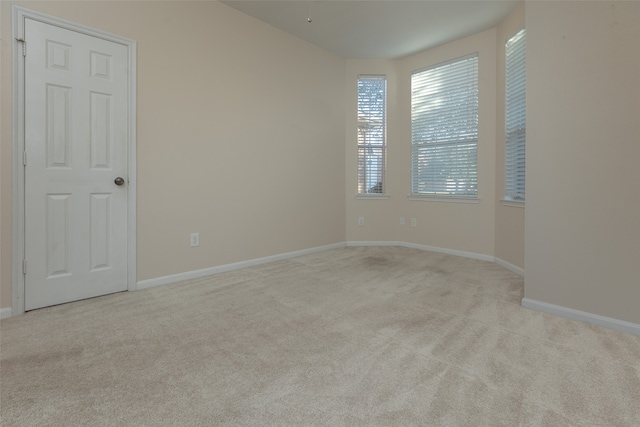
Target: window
[
  {"x": 372, "y": 97},
  {"x": 444, "y": 129},
  {"x": 515, "y": 117}
]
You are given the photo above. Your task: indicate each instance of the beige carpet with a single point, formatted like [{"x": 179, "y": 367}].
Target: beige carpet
[{"x": 346, "y": 337}]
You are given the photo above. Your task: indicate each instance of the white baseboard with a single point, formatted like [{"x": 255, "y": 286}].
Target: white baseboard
[
  {"x": 464, "y": 254},
  {"x": 195, "y": 274},
  {"x": 582, "y": 316},
  {"x": 5, "y": 312},
  {"x": 372, "y": 243},
  {"x": 513, "y": 268}
]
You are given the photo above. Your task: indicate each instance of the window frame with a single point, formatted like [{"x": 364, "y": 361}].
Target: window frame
[
  {"x": 447, "y": 138},
  {"x": 515, "y": 119},
  {"x": 369, "y": 151}
]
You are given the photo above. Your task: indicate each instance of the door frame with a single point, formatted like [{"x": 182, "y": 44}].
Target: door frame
[{"x": 19, "y": 16}]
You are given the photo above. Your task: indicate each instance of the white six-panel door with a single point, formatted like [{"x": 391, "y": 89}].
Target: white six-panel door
[{"x": 76, "y": 146}]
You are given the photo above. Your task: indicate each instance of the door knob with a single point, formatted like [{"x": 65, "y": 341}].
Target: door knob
[{"x": 119, "y": 180}]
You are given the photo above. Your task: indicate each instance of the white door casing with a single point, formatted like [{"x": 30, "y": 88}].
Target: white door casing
[{"x": 78, "y": 136}]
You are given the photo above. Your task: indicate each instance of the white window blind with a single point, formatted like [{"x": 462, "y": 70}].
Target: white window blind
[
  {"x": 372, "y": 97},
  {"x": 444, "y": 129},
  {"x": 515, "y": 117}
]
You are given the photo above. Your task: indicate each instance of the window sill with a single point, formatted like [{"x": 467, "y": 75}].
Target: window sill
[
  {"x": 445, "y": 199},
  {"x": 512, "y": 203},
  {"x": 380, "y": 196}
]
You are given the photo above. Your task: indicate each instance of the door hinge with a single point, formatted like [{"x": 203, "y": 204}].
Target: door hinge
[
  {"x": 24, "y": 158},
  {"x": 24, "y": 46},
  {"x": 24, "y": 266}
]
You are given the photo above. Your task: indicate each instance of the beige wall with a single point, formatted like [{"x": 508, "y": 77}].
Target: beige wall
[
  {"x": 5, "y": 294},
  {"x": 457, "y": 226},
  {"x": 240, "y": 135},
  {"x": 200, "y": 65},
  {"x": 6, "y": 207},
  {"x": 582, "y": 226},
  {"x": 509, "y": 219}
]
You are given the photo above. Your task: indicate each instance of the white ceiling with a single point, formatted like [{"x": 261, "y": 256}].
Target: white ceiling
[{"x": 381, "y": 28}]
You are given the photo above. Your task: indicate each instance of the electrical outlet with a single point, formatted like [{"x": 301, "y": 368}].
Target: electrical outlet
[
  {"x": 361, "y": 221},
  {"x": 195, "y": 239},
  {"x": 401, "y": 220},
  {"x": 414, "y": 222}
]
